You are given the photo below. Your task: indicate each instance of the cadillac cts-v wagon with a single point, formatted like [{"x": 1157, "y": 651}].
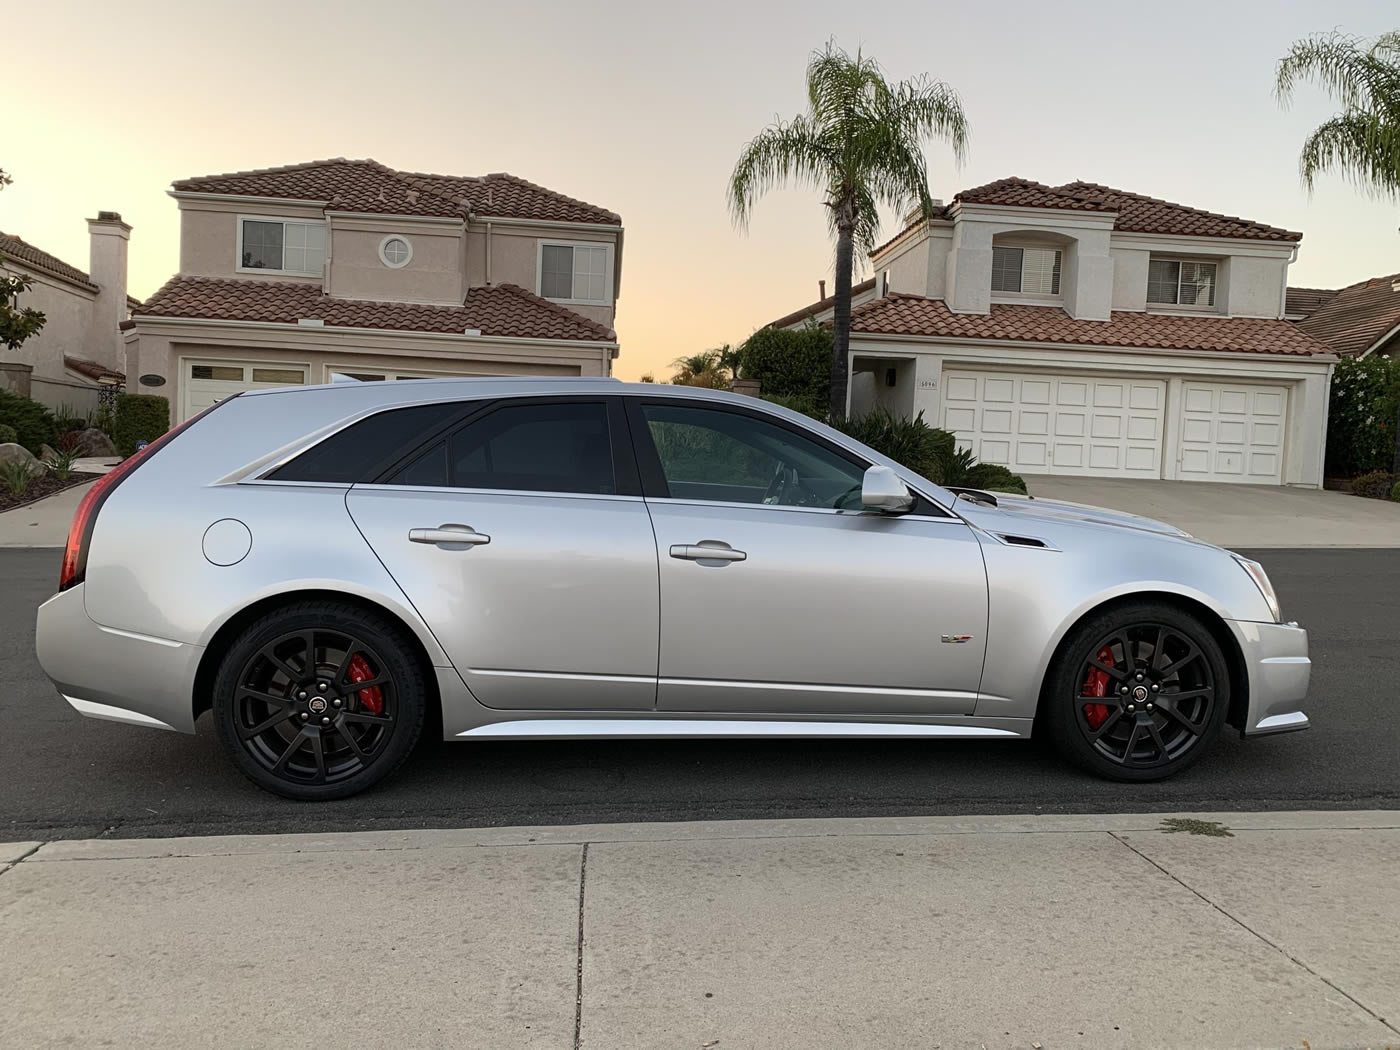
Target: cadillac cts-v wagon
[{"x": 324, "y": 568}]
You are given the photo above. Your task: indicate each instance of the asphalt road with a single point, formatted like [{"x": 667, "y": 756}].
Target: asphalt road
[{"x": 64, "y": 776}]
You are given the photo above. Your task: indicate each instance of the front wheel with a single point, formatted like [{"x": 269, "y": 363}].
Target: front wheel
[
  {"x": 1137, "y": 693},
  {"x": 319, "y": 700}
]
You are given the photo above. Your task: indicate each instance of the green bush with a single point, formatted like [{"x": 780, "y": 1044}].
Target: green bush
[
  {"x": 995, "y": 478},
  {"x": 910, "y": 442},
  {"x": 8, "y": 434},
  {"x": 1362, "y": 416},
  {"x": 31, "y": 421},
  {"x": 1395, "y": 493},
  {"x": 140, "y": 417},
  {"x": 798, "y": 404},
  {"x": 1379, "y": 484},
  {"x": 790, "y": 363},
  {"x": 16, "y": 477}
]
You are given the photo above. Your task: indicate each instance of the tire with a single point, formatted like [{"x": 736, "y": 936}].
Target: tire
[
  {"x": 326, "y": 729},
  {"x": 1137, "y": 692}
]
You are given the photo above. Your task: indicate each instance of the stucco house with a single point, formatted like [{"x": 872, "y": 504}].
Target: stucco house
[
  {"x": 1080, "y": 329},
  {"x": 79, "y": 349},
  {"x": 1359, "y": 320},
  {"x": 295, "y": 274}
]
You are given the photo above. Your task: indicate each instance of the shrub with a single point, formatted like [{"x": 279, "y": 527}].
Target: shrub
[
  {"x": 910, "y": 442},
  {"x": 1395, "y": 493},
  {"x": 798, "y": 404},
  {"x": 1362, "y": 416},
  {"x": 139, "y": 417},
  {"x": 790, "y": 363},
  {"x": 995, "y": 478},
  {"x": 17, "y": 477},
  {"x": 31, "y": 421},
  {"x": 1379, "y": 484},
  {"x": 8, "y": 434},
  {"x": 61, "y": 462}
]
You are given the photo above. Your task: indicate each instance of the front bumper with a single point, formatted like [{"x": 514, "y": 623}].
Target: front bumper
[
  {"x": 1276, "y": 662},
  {"x": 115, "y": 675}
]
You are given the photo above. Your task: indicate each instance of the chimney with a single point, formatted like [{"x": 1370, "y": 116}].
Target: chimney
[
  {"x": 108, "y": 237},
  {"x": 821, "y": 290}
]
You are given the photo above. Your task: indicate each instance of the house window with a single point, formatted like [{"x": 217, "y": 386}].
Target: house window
[
  {"x": 1180, "y": 282},
  {"x": 577, "y": 272},
  {"x": 395, "y": 252},
  {"x": 1026, "y": 271},
  {"x": 283, "y": 247}
]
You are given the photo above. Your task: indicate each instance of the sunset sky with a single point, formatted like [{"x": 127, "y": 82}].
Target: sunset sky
[{"x": 643, "y": 108}]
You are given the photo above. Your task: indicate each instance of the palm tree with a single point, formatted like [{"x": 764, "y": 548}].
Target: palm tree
[
  {"x": 702, "y": 369},
  {"x": 861, "y": 143},
  {"x": 1362, "y": 142}
]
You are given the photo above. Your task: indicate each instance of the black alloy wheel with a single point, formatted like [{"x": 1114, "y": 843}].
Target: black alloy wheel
[
  {"x": 1138, "y": 695},
  {"x": 319, "y": 701}
]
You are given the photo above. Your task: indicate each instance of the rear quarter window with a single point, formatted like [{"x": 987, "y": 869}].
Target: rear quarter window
[{"x": 364, "y": 449}]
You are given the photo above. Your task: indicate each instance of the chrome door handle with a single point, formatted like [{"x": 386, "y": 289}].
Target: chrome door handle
[
  {"x": 706, "y": 550},
  {"x": 452, "y": 535}
]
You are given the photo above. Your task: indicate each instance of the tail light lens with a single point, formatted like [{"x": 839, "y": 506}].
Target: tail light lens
[{"x": 75, "y": 551}]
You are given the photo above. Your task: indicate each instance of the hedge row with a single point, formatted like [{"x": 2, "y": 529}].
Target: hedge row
[{"x": 1361, "y": 422}]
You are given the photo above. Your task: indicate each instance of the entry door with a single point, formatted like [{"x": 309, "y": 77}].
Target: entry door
[
  {"x": 523, "y": 541},
  {"x": 1232, "y": 432},
  {"x": 780, "y": 595}
]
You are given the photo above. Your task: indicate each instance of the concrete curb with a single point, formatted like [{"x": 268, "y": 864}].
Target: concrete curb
[{"x": 692, "y": 831}]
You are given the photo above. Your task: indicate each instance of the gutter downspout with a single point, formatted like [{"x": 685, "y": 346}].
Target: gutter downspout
[{"x": 488, "y": 253}]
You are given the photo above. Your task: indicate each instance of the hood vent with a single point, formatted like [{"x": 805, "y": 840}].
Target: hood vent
[{"x": 1012, "y": 540}]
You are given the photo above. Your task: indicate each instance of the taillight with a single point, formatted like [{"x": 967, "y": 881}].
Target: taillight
[{"x": 75, "y": 551}]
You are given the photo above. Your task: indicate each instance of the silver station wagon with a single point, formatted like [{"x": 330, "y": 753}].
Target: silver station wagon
[{"x": 327, "y": 568}]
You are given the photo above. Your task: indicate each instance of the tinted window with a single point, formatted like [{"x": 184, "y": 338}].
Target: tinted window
[
  {"x": 713, "y": 454},
  {"x": 362, "y": 449},
  {"x": 532, "y": 448}
]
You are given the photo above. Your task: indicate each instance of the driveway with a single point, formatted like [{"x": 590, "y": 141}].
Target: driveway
[{"x": 1239, "y": 515}]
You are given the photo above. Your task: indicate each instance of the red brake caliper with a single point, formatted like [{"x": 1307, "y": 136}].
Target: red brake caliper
[
  {"x": 373, "y": 697},
  {"x": 1096, "y": 684}
]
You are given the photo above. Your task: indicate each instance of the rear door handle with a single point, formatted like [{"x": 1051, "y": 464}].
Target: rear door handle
[
  {"x": 706, "y": 550},
  {"x": 456, "y": 536}
]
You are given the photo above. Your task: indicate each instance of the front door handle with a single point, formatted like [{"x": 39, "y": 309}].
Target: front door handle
[
  {"x": 706, "y": 550},
  {"x": 453, "y": 536}
]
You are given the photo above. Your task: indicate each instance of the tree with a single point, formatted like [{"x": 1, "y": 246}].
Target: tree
[
  {"x": 16, "y": 325},
  {"x": 861, "y": 143},
  {"x": 1362, "y": 142},
  {"x": 702, "y": 369}
]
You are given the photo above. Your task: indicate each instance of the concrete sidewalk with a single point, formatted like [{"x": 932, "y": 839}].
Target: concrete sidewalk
[
  {"x": 1050, "y": 932},
  {"x": 45, "y": 523},
  {"x": 1241, "y": 516}
]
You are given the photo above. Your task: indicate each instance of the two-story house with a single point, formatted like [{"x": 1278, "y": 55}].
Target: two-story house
[
  {"x": 1084, "y": 330},
  {"x": 347, "y": 267},
  {"x": 79, "y": 349}
]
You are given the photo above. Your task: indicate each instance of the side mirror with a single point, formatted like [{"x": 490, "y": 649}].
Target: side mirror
[{"x": 882, "y": 490}]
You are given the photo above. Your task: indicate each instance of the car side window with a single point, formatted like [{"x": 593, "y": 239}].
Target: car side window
[
  {"x": 361, "y": 450},
  {"x": 713, "y": 454},
  {"x": 539, "y": 447}
]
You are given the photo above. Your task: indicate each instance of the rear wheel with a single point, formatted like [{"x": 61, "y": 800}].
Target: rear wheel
[
  {"x": 319, "y": 700},
  {"x": 1137, "y": 693}
]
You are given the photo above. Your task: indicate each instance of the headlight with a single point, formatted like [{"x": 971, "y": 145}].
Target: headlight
[{"x": 1261, "y": 580}]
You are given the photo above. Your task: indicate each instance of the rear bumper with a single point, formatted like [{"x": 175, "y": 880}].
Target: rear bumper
[
  {"x": 1276, "y": 660},
  {"x": 115, "y": 675}
]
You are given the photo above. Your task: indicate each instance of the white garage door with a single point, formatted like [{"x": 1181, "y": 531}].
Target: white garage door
[
  {"x": 1040, "y": 423},
  {"x": 1232, "y": 432},
  {"x": 206, "y": 382}
]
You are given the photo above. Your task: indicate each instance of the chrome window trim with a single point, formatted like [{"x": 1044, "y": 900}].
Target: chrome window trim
[
  {"x": 735, "y": 504},
  {"x": 379, "y": 486}
]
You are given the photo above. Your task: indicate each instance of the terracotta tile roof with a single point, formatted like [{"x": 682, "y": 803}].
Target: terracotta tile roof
[
  {"x": 368, "y": 186},
  {"x": 38, "y": 259},
  {"x": 511, "y": 197},
  {"x": 821, "y": 304},
  {"x": 1134, "y": 212},
  {"x": 1139, "y": 214},
  {"x": 92, "y": 369},
  {"x": 1358, "y": 317},
  {"x": 500, "y": 310},
  {"x": 1299, "y": 302},
  {"x": 1023, "y": 193},
  {"x": 899, "y": 314}
]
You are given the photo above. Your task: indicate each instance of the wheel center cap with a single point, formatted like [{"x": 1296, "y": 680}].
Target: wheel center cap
[
  {"x": 317, "y": 705},
  {"x": 1139, "y": 693}
]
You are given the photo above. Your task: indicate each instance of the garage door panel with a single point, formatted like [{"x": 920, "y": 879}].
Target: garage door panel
[
  {"x": 1224, "y": 438},
  {"x": 1070, "y": 424}
]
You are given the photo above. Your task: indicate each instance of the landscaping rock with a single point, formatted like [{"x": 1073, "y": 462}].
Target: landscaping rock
[
  {"x": 12, "y": 453},
  {"x": 47, "y": 453},
  {"x": 92, "y": 442}
]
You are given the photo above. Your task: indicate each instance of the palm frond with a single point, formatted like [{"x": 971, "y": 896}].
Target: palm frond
[
  {"x": 784, "y": 150},
  {"x": 1354, "y": 146}
]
